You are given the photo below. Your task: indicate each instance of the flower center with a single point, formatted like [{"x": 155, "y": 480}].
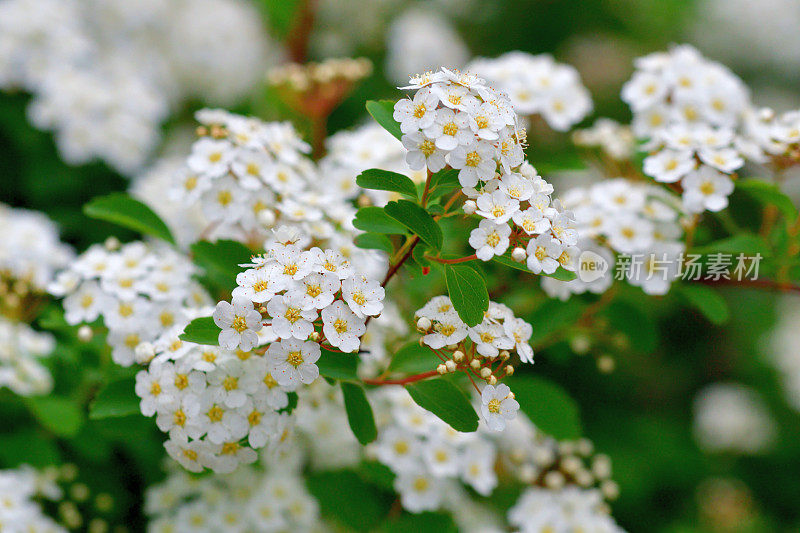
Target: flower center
[
  {"x": 482, "y": 122},
  {"x": 239, "y": 323},
  {"x": 421, "y": 484},
  {"x": 254, "y": 418},
  {"x": 215, "y": 414},
  {"x": 290, "y": 270},
  {"x": 179, "y": 418},
  {"x": 294, "y": 358},
  {"x": 155, "y": 388},
  {"x": 419, "y": 110},
  {"x": 181, "y": 381},
  {"x": 313, "y": 290},
  {"x": 450, "y": 128},
  {"x": 292, "y": 314},
  {"x": 230, "y": 383},
  {"x": 427, "y": 147},
  {"x": 224, "y": 198},
  {"x": 493, "y": 239},
  {"x": 358, "y": 297},
  {"x": 473, "y": 159},
  {"x": 340, "y": 326},
  {"x": 494, "y": 405}
]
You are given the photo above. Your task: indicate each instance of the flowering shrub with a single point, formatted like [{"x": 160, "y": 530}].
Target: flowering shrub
[{"x": 297, "y": 331}]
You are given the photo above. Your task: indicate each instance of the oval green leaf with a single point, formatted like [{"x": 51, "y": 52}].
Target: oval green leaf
[
  {"x": 385, "y": 180},
  {"x": 468, "y": 293},
  {"x": 121, "y": 209},
  {"x": 416, "y": 219},
  {"x": 446, "y": 401},
  {"x": 359, "y": 413}
]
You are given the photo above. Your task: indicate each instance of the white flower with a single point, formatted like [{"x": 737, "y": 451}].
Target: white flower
[
  {"x": 416, "y": 114},
  {"x": 364, "y": 296},
  {"x": 668, "y": 166},
  {"x": 489, "y": 239},
  {"x": 399, "y": 449},
  {"x": 423, "y": 152},
  {"x": 210, "y": 157},
  {"x": 450, "y": 129},
  {"x": 289, "y": 318},
  {"x": 543, "y": 254},
  {"x": 516, "y": 186},
  {"x": 497, "y": 406},
  {"x": 706, "y": 188},
  {"x": 475, "y": 161},
  {"x": 520, "y": 331},
  {"x": 316, "y": 291},
  {"x": 293, "y": 361},
  {"x": 256, "y": 285},
  {"x": 725, "y": 160},
  {"x": 342, "y": 328},
  {"x": 447, "y": 329},
  {"x": 419, "y": 491},
  {"x": 496, "y": 206},
  {"x": 489, "y": 339},
  {"x": 532, "y": 221},
  {"x": 239, "y": 323}
]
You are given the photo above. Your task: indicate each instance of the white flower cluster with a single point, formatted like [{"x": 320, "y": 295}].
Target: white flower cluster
[
  {"x": 729, "y": 417},
  {"x": 427, "y": 455},
  {"x": 272, "y": 499},
  {"x": 691, "y": 110},
  {"x": 301, "y": 291},
  {"x": 349, "y": 153},
  {"x": 19, "y": 510},
  {"x": 457, "y": 119},
  {"x": 538, "y": 85},
  {"x": 570, "y": 509},
  {"x": 30, "y": 250},
  {"x": 625, "y": 217},
  {"x": 476, "y": 350},
  {"x": 20, "y": 350},
  {"x": 141, "y": 291},
  {"x": 248, "y": 176},
  {"x": 104, "y": 75}
]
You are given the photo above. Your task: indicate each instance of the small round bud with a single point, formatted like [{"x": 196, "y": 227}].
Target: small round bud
[
  {"x": 450, "y": 365},
  {"x": 475, "y": 364},
  {"x": 766, "y": 114},
  {"x": 486, "y": 372},
  {"x": 144, "y": 353},
  {"x": 111, "y": 244},
  {"x": 566, "y": 447},
  {"x": 606, "y": 364},
  {"x": 470, "y": 207},
  {"x": 492, "y": 380},
  {"x": 580, "y": 344},
  {"x": 458, "y": 356},
  {"x": 570, "y": 464},
  {"x": 441, "y": 369},
  {"x": 509, "y": 370},
  {"x": 79, "y": 492},
  {"x": 424, "y": 324},
  {"x": 527, "y": 473},
  {"x": 266, "y": 217},
  {"x": 262, "y": 310},
  {"x": 452, "y": 347},
  {"x": 364, "y": 201},
  {"x": 584, "y": 478},
  {"x": 609, "y": 489},
  {"x": 504, "y": 355},
  {"x": 519, "y": 255},
  {"x": 554, "y": 480},
  {"x": 314, "y": 336},
  {"x": 601, "y": 466},
  {"x": 543, "y": 456},
  {"x": 85, "y": 333},
  {"x": 585, "y": 447}
]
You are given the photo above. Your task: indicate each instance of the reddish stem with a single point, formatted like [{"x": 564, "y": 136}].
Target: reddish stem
[
  {"x": 472, "y": 257},
  {"x": 402, "y": 381}
]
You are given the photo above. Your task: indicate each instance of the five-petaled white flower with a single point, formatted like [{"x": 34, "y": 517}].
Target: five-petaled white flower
[
  {"x": 497, "y": 406},
  {"x": 239, "y": 323}
]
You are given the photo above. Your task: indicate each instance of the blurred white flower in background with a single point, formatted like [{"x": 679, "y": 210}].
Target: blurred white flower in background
[
  {"x": 421, "y": 40},
  {"x": 729, "y": 417}
]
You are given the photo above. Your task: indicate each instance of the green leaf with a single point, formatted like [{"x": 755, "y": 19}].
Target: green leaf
[
  {"x": 553, "y": 315},
  {"x": 281, "y": 15},
  {"x": 635, "y": 323},
  {"x": 383, "y": 113},
  {"x": 385, "y": 180},
  {"x": 28, "y": 446},
  {"x": 337, "y": 365},
  {"x": 201, "y": 330},
  {"x": 746, "y": 243},
  {"x": 116, "y": 399},
  {"x": 414, "y": 359},
  {"x": 125, "y": 211},
  {"x": 374, "y": 241},
  {"x": 768, "y": 194},
  {"x": 548, "y": 406},
  {"x": 707, "y": 301},
  {"x": 375, "y": 219},
  {"x": 443, "y": 181},
  {"x": 220, "y": 261},
  {"x": 60, "y": 415},
  {"x": 446, "y": 401},
  {"x": 468, "y": 293},
  {"x": 419, "y": 221},
  {"x": 359, "y": 413},
  {"x": 426, "y": 522},
  {"x": 345, "y": 497},
  {"x": 560, "y": 274}
]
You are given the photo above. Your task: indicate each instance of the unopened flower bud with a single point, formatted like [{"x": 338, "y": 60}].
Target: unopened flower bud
[
  {"x": 475, "y": 364},
  {"x": 519, "y": 255},
  {"x": 111, "y": 244},
  {"x": 423, "y": 324},
  {"x": 609, "y": 489},
  {"x": 458, "y": 356},
  {"x": 144, "y": 353},
  {"x": 554, "y": 480},
  {"x": 492, "y": 380},
  {"x": 584, "y": 478},
  {"x": 266, "y": 217},
  {"x": 580, "y": 344},
  {"x": 314, "y": 336},
  {"x": 450, "y": 365},
  {"x": 570, "y": 464},
  {"x": 601, "y": 466},
  {"x": 585, "y": 447},
  {"x": 509, "y": 370},
  {"x": 606, "y": 364},
  {"x": 85, "y": 333},
  {"x": 441, "y": 369},
  {"x": 470, "y": 207},
  {"x": 486, "y": 372}
]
